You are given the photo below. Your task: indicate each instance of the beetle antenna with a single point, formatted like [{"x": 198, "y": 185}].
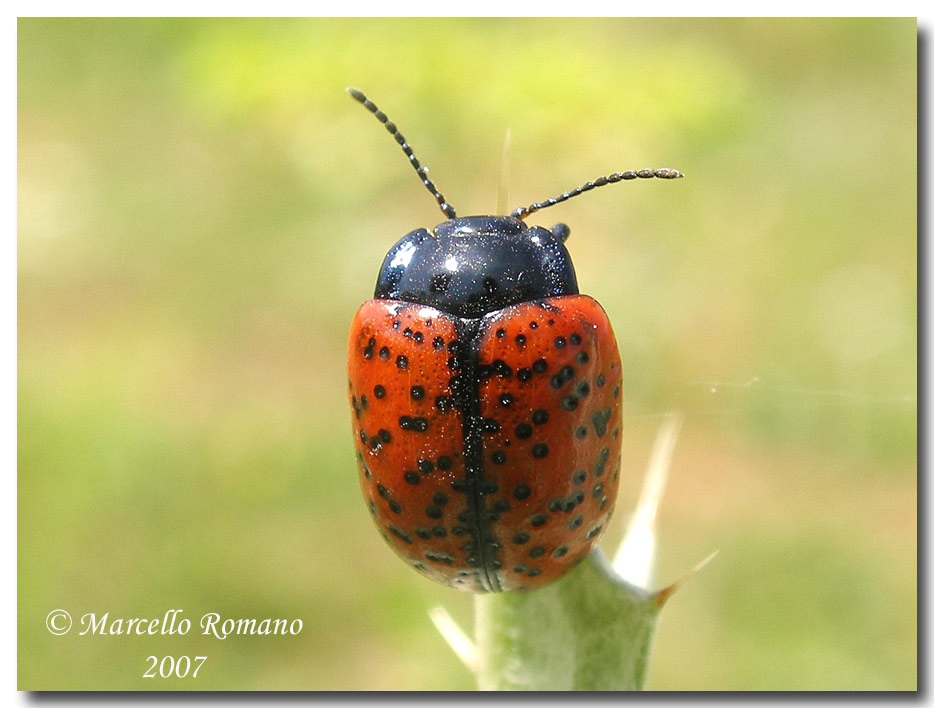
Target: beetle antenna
[
  {"x": 664, "y": 173},
  {"x": 394, "y": 132}
]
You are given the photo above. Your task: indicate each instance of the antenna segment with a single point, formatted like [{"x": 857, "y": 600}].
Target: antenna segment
[
  {"x": 521, "y": 212},
  {"x": 664, "y": 173},
  {"x": 394, "y": 132}
]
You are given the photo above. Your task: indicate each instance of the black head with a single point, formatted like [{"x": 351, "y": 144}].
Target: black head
[{"x": 478, "y": 264}]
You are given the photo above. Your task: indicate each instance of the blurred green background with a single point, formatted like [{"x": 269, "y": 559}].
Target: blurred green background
[{"x": 202, "y": 209}]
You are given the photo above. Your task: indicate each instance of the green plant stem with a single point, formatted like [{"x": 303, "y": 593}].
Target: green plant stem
[{"x": 589, "y": 631}]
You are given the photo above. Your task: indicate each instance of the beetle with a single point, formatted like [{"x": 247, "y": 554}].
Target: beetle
[{"x": 486, "y": 397}]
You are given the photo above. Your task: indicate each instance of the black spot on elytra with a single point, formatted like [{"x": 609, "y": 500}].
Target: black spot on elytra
[
  {"x": 575, "y": 339},
  {"x": 384, "y": 353},
  {"x": 582, "y": 358},
  {"x": 568, "y": 504},
  {"x": 433, "y": 512},
  {"x": 500, "y": 333},
  {"x": 601, "y": 380},
  {"x": 560, "y": 343},
  {"x": 435, "y": 557},
  {"x": 575, "y": 522},
  {"x": 538, "y": 520},
  {"x": 580, "y": 433},
  {"x": 600, "y": 419},
  {"x": 524, "y": 375},
  {"x": 520, "y": 340},
  {"x": 384, "y": 436},
  {"x": 402, "y": 362},
  {"x": 597, "y": 491},
  {"x": 501, "y": 369},
  {"x": 540, "y": 366},
  {"x": 569, "y": 403},
  {"x": 537, "y": 552},
  {"x": 379, "y": 391},
  {"x": 417, "y": 425},
  {"x": 523, "y": 431},
  {"x": 539, "y": 450},
  {"x": 506, "y": 399},
  {"x": 540, "y": 417},
  {"x": 437, "y": 343},
  {"x": 368, "y": 350},
  {"x": 521, "y": 538},
  {"x": 400, "y": 534},
  {"x": 498, "y": 457},
  {"x": 444, "y": 463},
  {"x": 559, "y": 552},
  {"x": 439, "y": 499},
  {"x": 417, "y": 393},
  {"x": 600, "y": 467},
  {"x": 521, "y": 492},
  {"x": 562, "y": 377},
  {"x": 425, "y": 466},
  {"x": 412, "y": 477}
]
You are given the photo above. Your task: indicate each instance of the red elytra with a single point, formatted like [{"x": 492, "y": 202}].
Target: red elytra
[
  {"x": 487, "y": 399},
  {"x": 511, "y": 490}
]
